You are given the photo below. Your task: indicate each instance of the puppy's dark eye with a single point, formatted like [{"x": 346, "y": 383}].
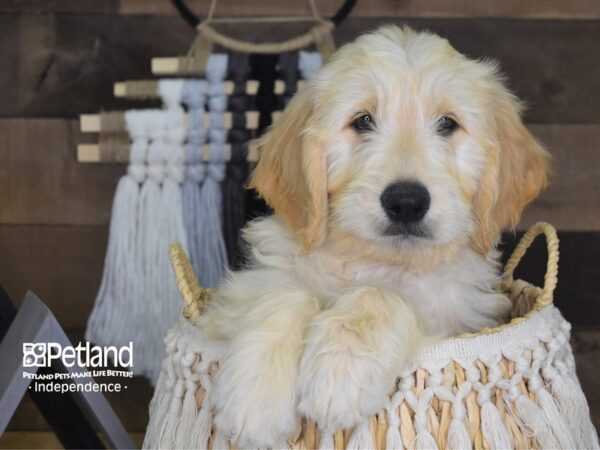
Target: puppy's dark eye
[
  {"x": 362, "y": 123},
  {"x": 446, "y": 126}
]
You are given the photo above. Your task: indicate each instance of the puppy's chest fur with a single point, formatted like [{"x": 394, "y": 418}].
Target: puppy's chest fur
[{"x": 452, "y": 297}]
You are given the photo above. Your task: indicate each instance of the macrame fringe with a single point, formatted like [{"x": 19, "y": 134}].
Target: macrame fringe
[
  {"x": 393, "y": 440},
  {"x": 362, "y": 438},
  {"x": 573, "y": 406},
  {"x": 458, "y": 436},
  {"x": 554, "y": 418},
  {"x": 424, "y": 441},
  {"x": 201, "y": 430},
  {"x": 492, "y": 427},
  {"x": 168, "y": 431},
  {"x": 326, "y": 441},
  {"x": 185, "y": 428},
  {"x": 533, "y": 418}
]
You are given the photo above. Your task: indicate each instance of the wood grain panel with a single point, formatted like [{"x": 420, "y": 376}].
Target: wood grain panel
[
  {"x": 531, "y": 9},
  {"x": 577, "y": 293},
  {"x": 517, "y": 9},
  {"x": 61, "y": 264},
  {"x": 571, "y": 202},
  {"x": 42, "y": 182},
  {"x": 58, "y": 6},
  {"x": 66, "y": 63}
]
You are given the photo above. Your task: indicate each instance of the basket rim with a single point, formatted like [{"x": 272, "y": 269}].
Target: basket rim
[{"x": 545, "y": 321}]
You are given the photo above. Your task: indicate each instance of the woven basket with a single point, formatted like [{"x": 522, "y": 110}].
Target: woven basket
[{"x": 513, "y": 386}]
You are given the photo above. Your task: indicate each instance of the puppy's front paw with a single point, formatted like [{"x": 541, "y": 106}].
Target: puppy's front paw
[
  {"x": 253, "y": 409},
  {"x": 352, "y": 356},
  {"x": 339, "y": 388}
]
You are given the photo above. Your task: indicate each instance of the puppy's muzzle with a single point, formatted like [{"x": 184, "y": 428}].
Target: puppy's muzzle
[{"x": 405, "y": 203}]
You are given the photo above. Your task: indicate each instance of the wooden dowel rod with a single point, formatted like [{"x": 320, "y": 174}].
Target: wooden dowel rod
[
  {"x": 92, "y": 123},
  {"x": 148, "y": 89},
  {"x": 94, "y": 153}
]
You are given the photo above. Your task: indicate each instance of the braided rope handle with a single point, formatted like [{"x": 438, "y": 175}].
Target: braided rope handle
[
  {"x": 194, "y": 296},
  {"x": 317, "y": 33},
  {"x": 551, "y": 277}
]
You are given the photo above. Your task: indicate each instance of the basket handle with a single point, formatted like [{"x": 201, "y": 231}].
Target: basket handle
[{"x": 551, "y": 277}]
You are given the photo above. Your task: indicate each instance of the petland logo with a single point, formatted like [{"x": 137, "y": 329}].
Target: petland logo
[{"x": 84, "y": 355}]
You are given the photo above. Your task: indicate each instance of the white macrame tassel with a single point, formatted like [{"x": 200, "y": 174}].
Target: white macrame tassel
[
  {"x": 572, "y": 405},
  {"x": 362, "y": 438},
  {"x": 552, "y": 415},
  {"x": 159, "y": 404},
  {"x": 171, "y": 224},
  {"x": 326, "y": 441},
  {"x": 492, "y": 427},
  {"x": 529, "y": 415},
  {"x": 153, "y": 248},
  {"x": 393, "y": 439},
  {"x": 120, "y": 290},
  {"x": 185, "y": 427},
  {"x": 168, "y": 432},
  {"x": 201, "y": 429},
  {"x": 458, "y": 436}
]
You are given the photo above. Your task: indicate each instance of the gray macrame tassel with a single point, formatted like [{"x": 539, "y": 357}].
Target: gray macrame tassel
[
  {"x": 122, "y": 281},
  {"x": 194, "y": 97}
]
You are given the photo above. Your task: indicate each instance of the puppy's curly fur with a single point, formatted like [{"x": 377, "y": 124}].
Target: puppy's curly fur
[{"x": 334, "y": 305}]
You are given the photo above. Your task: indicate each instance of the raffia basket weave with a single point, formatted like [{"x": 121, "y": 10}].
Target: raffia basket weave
[{"x": 513, "y": 386}]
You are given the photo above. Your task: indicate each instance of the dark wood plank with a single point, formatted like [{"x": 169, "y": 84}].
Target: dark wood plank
[
  {"x": 571, "y": 200},
  {"x": 62, "y": 264},
  {"x": 58, "y": 6},
  {"x": 66, "y": 63},
  {"x": 532, "y": 9},
  {"x": 577, "y": 293},
  {"x": 539, "y": 9},
  {"x": 45, "y": 439},
  {"x": 42, "y": 182}
]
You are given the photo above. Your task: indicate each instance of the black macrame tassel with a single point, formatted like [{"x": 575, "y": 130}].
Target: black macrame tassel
[
  {"x": 233, "y": 186},
  {"x": 288, "y": 72}
]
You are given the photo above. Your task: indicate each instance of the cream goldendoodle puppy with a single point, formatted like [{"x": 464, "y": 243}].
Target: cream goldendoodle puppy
[{"x": 391, "y": 175}]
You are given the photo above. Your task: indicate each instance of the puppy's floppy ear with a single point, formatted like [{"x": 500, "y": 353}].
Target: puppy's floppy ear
[
  {"x": 517, "y": 171},
  {"x": 291, "y": 174}
]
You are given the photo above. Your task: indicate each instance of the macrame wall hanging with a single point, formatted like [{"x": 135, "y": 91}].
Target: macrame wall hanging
[{"x": 187, "y": 166}]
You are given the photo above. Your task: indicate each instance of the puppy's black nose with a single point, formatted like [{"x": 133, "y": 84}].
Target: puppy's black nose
[{"x": 405, "y": 201}]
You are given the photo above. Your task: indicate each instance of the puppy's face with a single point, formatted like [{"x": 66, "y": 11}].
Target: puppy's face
[{"x": 401, "y": 146}]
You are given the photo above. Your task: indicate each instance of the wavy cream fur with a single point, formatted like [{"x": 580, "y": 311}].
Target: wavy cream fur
[{"x": 330, "y": 310}]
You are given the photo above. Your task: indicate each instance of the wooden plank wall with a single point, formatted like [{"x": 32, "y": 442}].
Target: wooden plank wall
[{"x": 59, "y": 58}]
